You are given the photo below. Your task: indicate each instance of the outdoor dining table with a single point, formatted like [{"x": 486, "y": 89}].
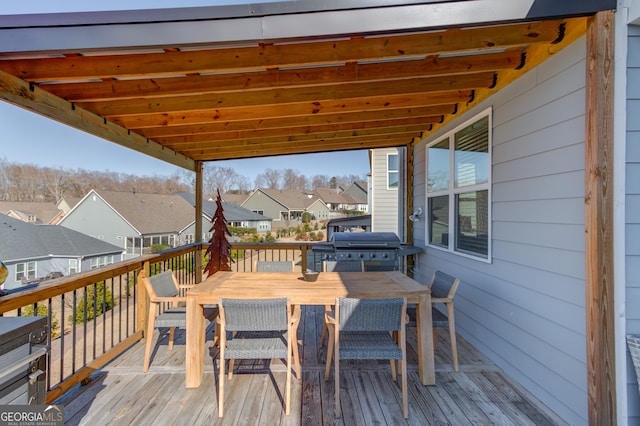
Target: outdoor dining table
[{"x": 329, "y": 285}]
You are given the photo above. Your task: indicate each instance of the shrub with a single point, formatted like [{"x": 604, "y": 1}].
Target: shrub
[
  {"x": 155, "y": 248},
  {"x": 319, "y": 236},
  {"x": 103, "y": 302},
  {"x": 43, "y": 311},
  {"x": 306, "y": 217},
  {"x": 269, "y": 238}
]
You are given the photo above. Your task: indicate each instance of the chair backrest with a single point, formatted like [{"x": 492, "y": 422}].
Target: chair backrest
[
  {"x": 274, "y": 266},
  {"x": 370, "y": 314},
  {"x": 255, "y": 314},
  {"x": 443, "y": 285},
  {"x": 344, "y": 266},
  {"x": 161, "y": 285}
]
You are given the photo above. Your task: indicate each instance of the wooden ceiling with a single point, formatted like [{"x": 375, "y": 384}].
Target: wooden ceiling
[{"x": 201, "y": 103}]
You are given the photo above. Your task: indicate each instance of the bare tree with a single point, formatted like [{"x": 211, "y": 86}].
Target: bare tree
[
  {"x": 58, "y": 183},
  {"x": 269, "y": 179},
  {"x": 320, "y": 181},
  {"x": 292, "y": 179}
]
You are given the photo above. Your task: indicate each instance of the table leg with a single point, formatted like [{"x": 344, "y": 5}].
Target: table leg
[
  {"x": 424, "y": 327},
  {"x": 194, "y": 358}
]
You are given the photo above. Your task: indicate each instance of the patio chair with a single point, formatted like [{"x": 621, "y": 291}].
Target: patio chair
[
  {"x": 261, "y": 329},
  {"x": 273, "y": 266},
  {"x": 443, "y": 290},
  {"x": 163, "y": 288},
  {"x": 338, "y": 266},
  {"x": 361, "y": 329}
]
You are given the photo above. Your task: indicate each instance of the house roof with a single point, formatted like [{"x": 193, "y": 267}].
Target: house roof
[
  {"x": 151, "y": 213},
  {"x": 292, "y": 199},
  {"x": 232, "y": 211},
  {"x": 44, "y": 212},
  {"x": 224, "y": 82},
  {"x": 234, "y": 198},
  {"x": 335, "y": 196},
  {"x": 22, "y": 240}
]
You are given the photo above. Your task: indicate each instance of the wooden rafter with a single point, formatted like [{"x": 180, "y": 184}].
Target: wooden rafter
[{"x": 212, "y": 102}]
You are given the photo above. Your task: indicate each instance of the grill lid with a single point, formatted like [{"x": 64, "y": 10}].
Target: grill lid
[{"x": 358, "y": 240}]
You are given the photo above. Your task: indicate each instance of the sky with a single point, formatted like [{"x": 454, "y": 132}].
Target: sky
[{"x": 28, "y": 138}]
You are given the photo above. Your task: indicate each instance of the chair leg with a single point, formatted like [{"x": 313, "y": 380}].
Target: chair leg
[
  {"x": 452, "y": 336},
  {"x": 149, "y": 337},
  {"x": 405, "y": 403},
  {"x": 393, "y": 369},
  {"x": 296, "y": 354},
  {"x": 327, "y": 368},
  {"x": 232, "y": 363},
  {"x": 172, "y": 333},
  {"x": 221, "y": 361},
  {"x": 435, "y": 338},
  {"x": 336, "y": 375},
  {"x": 287, "y": 407}
]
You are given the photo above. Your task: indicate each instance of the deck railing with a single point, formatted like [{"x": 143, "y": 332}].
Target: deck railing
[{"x": 96, "y": 315}]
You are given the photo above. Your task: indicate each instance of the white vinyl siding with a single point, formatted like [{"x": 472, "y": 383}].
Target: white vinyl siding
[
  {"x": 526, "y": 309},
  {"x": 384, "y": 201}
]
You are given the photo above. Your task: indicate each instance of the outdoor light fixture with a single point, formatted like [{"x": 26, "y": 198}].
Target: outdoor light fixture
[{"x": 415, "y": 217}]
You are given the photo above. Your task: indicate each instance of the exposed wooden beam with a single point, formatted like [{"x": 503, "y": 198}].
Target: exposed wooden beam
[
  {"x": 336, "y": 92},
  {"x": 428, "y": 114},
  {"x": 431, "y": 66},
  {"x": 599, "y": 260},
  {"x": 22, "y": 94},
  {"x": 298, "y": 148},
  {"x": 284, "y": 55},
  {"x": 292, "y": 110},
  {"x": 367, "y": 127}
]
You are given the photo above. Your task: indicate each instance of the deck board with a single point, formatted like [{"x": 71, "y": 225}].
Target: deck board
[{"x": 479, "y": 394}]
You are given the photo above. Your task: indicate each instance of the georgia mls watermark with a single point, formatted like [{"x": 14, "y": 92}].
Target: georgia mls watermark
[{"x": 31, "y": 415}]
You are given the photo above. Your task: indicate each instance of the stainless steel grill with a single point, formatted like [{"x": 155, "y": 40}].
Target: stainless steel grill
[
  {"x": 23, "y": 350},
  {"x": 380, "y": 251}
]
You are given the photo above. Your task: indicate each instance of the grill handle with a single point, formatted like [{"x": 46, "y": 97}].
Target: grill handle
[{"x": 368, "y": 245}]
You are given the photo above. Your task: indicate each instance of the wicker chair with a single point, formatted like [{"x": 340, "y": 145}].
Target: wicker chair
[
  {"x": 633, "y": 342},
  {"x": 361, "y": 329},
  {"x": 261, "y": 329},
  {"x": 338, "y": 266},
  {"x": 273, "y": 266},
  {"x": 163, "y": 288},
  {"x": 443, "y": 290}
]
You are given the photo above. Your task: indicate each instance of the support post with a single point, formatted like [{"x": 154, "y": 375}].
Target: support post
[
  {"x": 601, "y": 379},
  {"x": 198, "y": 219}
]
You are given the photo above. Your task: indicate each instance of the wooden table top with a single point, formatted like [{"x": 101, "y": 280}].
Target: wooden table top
[{"x": 291, "y": 284}]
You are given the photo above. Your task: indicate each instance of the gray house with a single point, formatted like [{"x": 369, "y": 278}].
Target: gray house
[
  {"x": 234, "y": 214},
  {"x": 132, "y": 221},
  {"x": 35, "y": 252},
  {"x": 286, "y": 206}
]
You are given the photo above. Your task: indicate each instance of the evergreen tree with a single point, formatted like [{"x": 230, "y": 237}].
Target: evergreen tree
[{"x": 219, "y": 250}]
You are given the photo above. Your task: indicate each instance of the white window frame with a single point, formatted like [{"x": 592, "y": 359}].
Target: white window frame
[
  {"x": 452, "y": 192},
  {"x": 396, "y": 171},
  {"x": 27, "y": 267},
  {"x": 74, "y": 266}
]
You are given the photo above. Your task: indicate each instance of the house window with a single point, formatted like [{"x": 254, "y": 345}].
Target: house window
[
  {"x": 73, "y": 266},
  {"x": 25, "y": 270},
  {"x": 392, "y": 171},
  {"x": 188, "y": 238},
  {"x": 134, "y": 245},
  {"x": 98, "y": 262},
  {"x": 458, "y": 189}
]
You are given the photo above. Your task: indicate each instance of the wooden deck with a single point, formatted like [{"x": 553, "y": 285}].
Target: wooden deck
[{"x": 480, "y": 394}]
